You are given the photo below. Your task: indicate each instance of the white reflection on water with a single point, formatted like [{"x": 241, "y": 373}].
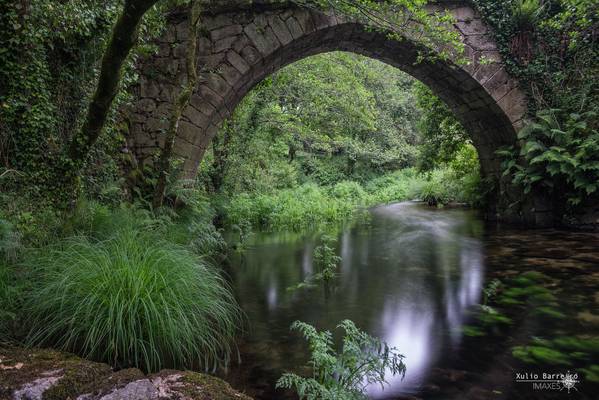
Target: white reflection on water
[
  {"x": 407, "y": 277},
  {"x": 415, "y": 320}
]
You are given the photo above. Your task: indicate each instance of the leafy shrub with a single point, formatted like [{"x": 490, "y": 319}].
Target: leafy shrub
[
  {"x": 9, "y": 301},
  {"x": 560, "y": 154},
  {"x": 130, "y": 300},
  {"x": 349, "y": 191},
  {"x": 363, "y": 360},
  {"x": 307, "y": 206},
  {"x": 10, "y": 241}
]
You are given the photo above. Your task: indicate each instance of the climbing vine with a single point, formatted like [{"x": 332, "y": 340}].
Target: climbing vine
[
  {"x": 551, "y": 47},
  {"x": 49, "y": 55}
]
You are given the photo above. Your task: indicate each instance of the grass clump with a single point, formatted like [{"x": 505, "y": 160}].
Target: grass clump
[{"x": 130, "y": 300}]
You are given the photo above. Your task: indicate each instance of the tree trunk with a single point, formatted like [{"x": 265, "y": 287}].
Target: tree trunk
[
  {"x": 220, "y": 151},
  {"x": 163, "y": 164},
  {"x": 124, "y": 37}
]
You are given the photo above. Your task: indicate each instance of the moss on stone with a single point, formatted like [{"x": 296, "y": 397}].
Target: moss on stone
[
  {"x": 205, "y": 387},
  {"x": 79, "y": 376}
]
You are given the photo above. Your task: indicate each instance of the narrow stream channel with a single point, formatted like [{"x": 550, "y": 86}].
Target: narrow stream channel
[{"x": 412, "y": 276}]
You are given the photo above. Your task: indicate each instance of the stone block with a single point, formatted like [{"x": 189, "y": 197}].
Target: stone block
[
  {"x": 280, "y": 29},
  {"x": 470, "y": 27},
  {"x": 465, "y": 13},
  {"x": 237, "y": 61},
  {"x": 230, "y": 75},
  {"x": 217, "y": 21},
  {"x": 210, "y": 62},
  {"x": 188, "y": 131},
  {"x": 305, "y": 21},
  {"x": 211, "y": 97},
  {"x": 480, "y": 42},
  {"x": 225, "y": 31},
  {"x": 202, "y": 105},
  {"x": 263, "y": 39},
  {"x": 224, "y": 44},
  {"x": 217, "y": 83},
  {"x": 149, "y": 88},
  {"x": 499, "y": 84},
  {"x": 251, "y": 55},
  {"x": 182, "y": 30},
  {"x": 198, "y": 119}
]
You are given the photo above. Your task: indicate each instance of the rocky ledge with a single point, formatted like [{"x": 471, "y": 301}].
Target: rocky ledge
[{"x": 40, "y": 374}]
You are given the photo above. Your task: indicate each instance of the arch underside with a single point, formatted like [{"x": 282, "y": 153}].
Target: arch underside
[{"x": 238, "y": 50}]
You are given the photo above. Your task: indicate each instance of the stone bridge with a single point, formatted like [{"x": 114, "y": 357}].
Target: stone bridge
[{"x": 241, "y": 45}]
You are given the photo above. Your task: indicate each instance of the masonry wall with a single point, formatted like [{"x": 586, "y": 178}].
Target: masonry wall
[{"x": 239, "y": 47}]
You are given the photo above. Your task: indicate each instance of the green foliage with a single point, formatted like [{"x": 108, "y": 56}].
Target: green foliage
[
  {"x": 10, "y": 292},
  {"x": 314, "y": 207},
  {"x": 559, "y": 156},
  {"x": 443, "y": 186},
  {"x": 49, "y": 53},
  {"x": 132, "y": 299},
  {"x": 363, "y": 360},
  {"x": 442, "y": 135},
  {"x": 307, "y": 206},
  {"x": 327, "y": 261},
  {"x": 324, "y": 119},
  {"x": 401, "y": 19}
]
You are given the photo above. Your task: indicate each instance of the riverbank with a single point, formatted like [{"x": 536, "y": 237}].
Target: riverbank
[{"x": 36, "y": 374}]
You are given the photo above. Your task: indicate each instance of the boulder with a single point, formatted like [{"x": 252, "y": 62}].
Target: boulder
[{"x": 43, "y": 374}]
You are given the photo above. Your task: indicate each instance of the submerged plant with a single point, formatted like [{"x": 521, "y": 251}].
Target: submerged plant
[
  {"x": 363, "y": 360},
  {"x": 131, "y": 300},
  {"x": 327, "y": 261}
]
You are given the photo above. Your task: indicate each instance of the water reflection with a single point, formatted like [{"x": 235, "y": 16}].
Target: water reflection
[{"x": 408, "y": 276}]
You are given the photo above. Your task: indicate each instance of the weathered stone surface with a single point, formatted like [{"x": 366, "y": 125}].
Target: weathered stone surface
[
  {"x": 40, "y": 374},
  {"x": 238, "y": 62},
  {"x": 238, "y": 47}
]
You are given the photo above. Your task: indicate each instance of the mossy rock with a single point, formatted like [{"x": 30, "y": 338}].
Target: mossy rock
[
  {"x": 57, "y": 375},
  {"x": 205, "y": 387}
]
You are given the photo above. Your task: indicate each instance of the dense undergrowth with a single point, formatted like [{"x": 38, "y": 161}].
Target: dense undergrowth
[
  {"x": 311, "y": 206},
  {"x": 123, "y": 286}
]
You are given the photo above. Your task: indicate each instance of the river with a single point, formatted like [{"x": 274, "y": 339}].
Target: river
[{"x": 414, "y": 277}]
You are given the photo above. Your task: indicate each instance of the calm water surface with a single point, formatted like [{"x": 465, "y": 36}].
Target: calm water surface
[{"x": 412, "y": 276}]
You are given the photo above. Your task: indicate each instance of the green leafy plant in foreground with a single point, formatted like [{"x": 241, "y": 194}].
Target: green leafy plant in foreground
[
  {"x": 560, "y": 154},
  {"x": 363, "y": 360},
  {"x": 130, "y": 300},
  {"x": 327, "y": 261}
]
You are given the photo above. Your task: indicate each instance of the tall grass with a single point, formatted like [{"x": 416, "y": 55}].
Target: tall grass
[
  {"x": 10, "y": 286},
  {"x": 132, "y": 299},
  {"x": 311, "y": 206}
]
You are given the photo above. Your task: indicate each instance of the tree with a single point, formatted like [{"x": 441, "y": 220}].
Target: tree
[
  {"x": 163, "y": 164},
  {"x": 124, "y": 36},
  {"x": 442, "y": 135}
]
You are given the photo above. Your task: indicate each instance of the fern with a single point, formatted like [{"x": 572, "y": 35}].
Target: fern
[
  {"x": 559, "y": 155},
  {"x": 363, "y": 360}
]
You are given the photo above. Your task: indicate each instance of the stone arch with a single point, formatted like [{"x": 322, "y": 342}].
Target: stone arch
[{"x": 240, "y": 47}]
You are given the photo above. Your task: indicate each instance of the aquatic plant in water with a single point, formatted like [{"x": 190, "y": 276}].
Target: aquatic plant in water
[
  {"x": 363, "y": 360},
  {"x": 327, "y": 261}
]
